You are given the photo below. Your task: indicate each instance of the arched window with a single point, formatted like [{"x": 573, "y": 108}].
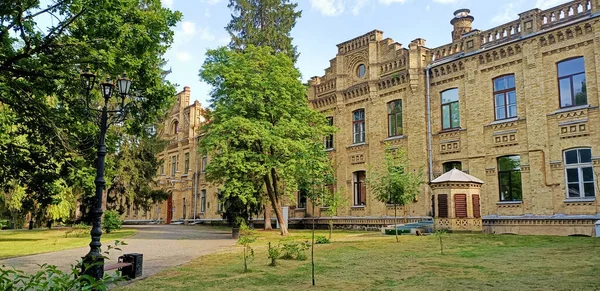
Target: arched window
[
  {"x": 361, "y": 70},
  {"x": 505, "y": 97},
  {"x": 571, "y": 82},
  {"x": 394, "y": 118},
  {"x": 579, "y": 173},
  {"x": 450, "y": 111},
  {"x": 174, "y": 127}
]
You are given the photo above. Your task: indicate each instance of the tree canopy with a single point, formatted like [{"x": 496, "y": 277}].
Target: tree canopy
[
  {"x": 263, "y": 23},
  {"x": 46, "y": 135},
  {"x": 262, "y": 131}
]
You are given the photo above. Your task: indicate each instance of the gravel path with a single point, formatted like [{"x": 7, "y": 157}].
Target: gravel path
[{"x": 162, "y": 246}]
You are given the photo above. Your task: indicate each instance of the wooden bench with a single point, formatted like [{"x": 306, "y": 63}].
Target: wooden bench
[{"x": 130, "y": 265}]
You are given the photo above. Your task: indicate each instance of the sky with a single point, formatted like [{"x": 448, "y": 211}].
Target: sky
[{"x": 326, "y": 23}]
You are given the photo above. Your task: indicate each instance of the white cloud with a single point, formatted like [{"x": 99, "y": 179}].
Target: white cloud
[
  {"x": 507, "y": 14},
  {"x": 329, "y": 7},
  {"x": 359, "y": 4},
  {"x": 206, "y": 13},
  {"x": 183, "y": 56},
  {"x": 211, "y": 2},
  {"x": 206, "y": 35},
  {"x": 428, "y": 7},
  {"x": 545, "y": 4},
  {"x": 224, "y": 40},
  {"x": 167, "y": 3},
  {"x": 445, "y": 1},
  {"x": 188, "y": 28},
  {"x": 388, "y": 2}
]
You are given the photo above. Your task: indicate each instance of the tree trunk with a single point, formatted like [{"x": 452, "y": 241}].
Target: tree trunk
[
  {"x": 245, "y": 262},
  {"x": 312, "y": 251},
  {"x": 271, "y": 191},
  {"x": 330, "y": 228},
  {"x": 396, "y": 220},
  {"x": 267, "y": 216}
]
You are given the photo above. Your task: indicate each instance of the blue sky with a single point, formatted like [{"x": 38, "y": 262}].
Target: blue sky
[{"x": 325, "y": 23}]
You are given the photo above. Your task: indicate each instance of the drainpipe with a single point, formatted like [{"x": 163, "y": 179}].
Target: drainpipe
[
  {"x": 429, "y": 137},
  {"x": 195, "y": 178}
]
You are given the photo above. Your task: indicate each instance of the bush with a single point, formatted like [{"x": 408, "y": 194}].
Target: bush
[
  {"x": 295, "y": 250},
  {"x": 274, "y": 253},
  {"x": 321, "y": 240},
  {"x": 111, "y": 221},
  {"x": 49, "y": 277}
]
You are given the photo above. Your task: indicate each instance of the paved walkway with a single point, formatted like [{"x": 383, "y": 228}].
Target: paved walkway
[{"x": 162, "y": 245}]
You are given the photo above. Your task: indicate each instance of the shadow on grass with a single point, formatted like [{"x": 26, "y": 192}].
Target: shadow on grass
[{"x": 19, "y": 239}]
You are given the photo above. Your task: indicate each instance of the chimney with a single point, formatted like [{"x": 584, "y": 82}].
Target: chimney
[{"x": 462, "y": 23}]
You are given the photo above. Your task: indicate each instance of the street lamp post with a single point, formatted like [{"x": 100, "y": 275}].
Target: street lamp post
[{"x": 93, "y": 262}]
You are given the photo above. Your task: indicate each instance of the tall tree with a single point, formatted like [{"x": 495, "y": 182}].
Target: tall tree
[
  {"x": 394, "y": 183},
  {"x": 263, "y": 23},
  {"x": 261, "y": 128},
  {"x": 49, "y": 135}
]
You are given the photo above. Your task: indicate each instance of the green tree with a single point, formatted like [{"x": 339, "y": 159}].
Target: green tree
[
  {"x": 263, "y": 23},
  {"x": 45, "y": 132},
  {"x": 261, "y": 127},
  {"x": 394, "y": 183}
]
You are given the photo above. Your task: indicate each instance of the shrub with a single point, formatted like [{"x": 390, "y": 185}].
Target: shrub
[
  {"x": 111, "y": 221},
  {"x": 295, "y": 250},
  {"x": 321, "y": 240},
  {"x": 274, "y": 253},
  {"x": 247, "y": 236},
  {"x": 49, "y": 277}
]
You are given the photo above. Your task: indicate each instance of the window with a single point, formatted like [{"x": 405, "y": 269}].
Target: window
[
  {"x": 476, "y": 206},
  {"x": 460, "y": 205},
  {"x": 579, "y": 173},
  {"x": 451, "y": 165},
  {"x": 394, "y": 118},
  {"x": 361, "y": 70},
  {"x": 173, "y": 165},
  {"x": 204, "y": 164},
  {"x": 301, "y": 198},
  {"x": 187, "y": 163},
  {"x": 450, "y": 112},
  {"x": 174, "y": 127},
  {"x": 162, "y": 168},
  {"x": 571, "y": 82},
  {"x": 203, "y": 201},
  {"x": 443, "y": 205},
  {"x": 360, "y": 190},
  {"x": 329, "y": 138},
  {"x": 509, "y": 178},
  {"x": 220, "y": 203},
  {"x": 358, "y": 123},
  {"x": 505, "y": 97}
]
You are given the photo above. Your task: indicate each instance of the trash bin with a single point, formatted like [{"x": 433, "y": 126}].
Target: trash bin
[{"x": 597, "y": 228}]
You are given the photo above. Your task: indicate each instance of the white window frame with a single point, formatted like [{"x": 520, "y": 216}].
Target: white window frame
[
  {"x": 203, "y": 164},
  {"x": 579, "y": 166},
  {"x": 203, "y": 201},
  {"x": 359, "y": 136}
]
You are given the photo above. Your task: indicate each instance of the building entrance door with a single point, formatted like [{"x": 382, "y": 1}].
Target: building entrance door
[{"x": 169, "y": 209}]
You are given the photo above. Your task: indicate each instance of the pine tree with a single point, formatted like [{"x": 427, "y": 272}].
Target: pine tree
[{"x": 263, "y": 23}]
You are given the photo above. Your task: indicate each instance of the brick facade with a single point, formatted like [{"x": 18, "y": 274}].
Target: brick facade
[{"x": 528, "y": 51}]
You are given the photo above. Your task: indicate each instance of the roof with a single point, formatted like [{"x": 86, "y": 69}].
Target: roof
[{"x": 456, "y": 175}]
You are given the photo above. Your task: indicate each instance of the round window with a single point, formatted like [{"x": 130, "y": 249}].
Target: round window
[{"x": 361, "y": 70}]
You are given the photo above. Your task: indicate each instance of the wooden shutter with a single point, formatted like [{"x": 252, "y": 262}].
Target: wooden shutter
[
  {"x": 443, "y": 206},
  {"x": 460, "y": 205},
  {"x": 476, "y": 207}
]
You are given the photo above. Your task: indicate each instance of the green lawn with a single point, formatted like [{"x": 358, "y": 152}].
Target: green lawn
[
  {"x": 369, "y": 261},
  {"x": 14, "y": 243}
]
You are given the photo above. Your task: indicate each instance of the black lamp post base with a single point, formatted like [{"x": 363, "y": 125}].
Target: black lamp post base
[{"x": 93, "y": 266}]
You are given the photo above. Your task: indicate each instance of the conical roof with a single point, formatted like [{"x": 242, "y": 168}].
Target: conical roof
[{"x": 456, "y": 175}]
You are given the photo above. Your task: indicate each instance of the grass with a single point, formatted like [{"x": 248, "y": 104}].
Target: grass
[
  {"x": 15, "y": 243},
  {"x": 369, "y": 261}
]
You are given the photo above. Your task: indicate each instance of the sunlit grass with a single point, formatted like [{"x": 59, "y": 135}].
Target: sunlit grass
[
  {"x": 14, "y": 243},
  {"x": 369, "y": 261}
]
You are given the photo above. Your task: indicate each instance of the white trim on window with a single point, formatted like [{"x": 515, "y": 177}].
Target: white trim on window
[{"x": 580, "y": 167}]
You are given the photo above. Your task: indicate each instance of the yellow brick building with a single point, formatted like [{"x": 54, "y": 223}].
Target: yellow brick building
[{"x": 516, "y": 106}]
